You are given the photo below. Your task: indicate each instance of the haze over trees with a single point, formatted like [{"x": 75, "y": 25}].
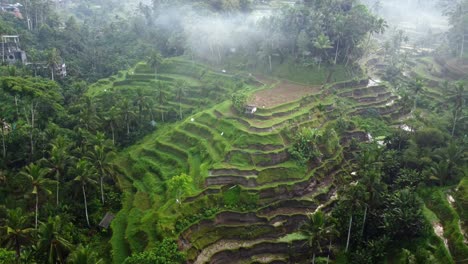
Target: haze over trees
[{"x": 212, "y": 130}]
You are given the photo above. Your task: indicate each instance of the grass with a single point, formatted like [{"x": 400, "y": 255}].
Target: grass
[
  {"x": 435, "y": 200},
  {"x": 292, "y": 237},
  {"x": 311, "y": 75}
]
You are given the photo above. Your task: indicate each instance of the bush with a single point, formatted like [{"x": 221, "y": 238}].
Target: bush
[
  {"x": 165, "y": 252},
  {"x": 239, "y": 100}
]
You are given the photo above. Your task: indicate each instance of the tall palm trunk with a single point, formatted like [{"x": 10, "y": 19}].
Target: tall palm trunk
[
  {"x": 455, "y": 117},
  {"x": 85, "y": 204},
  {"x": 415, "y": 103},
  {"x": 180, "y": 110},
  {"x": 336, "y": 52},
  {"x": 102, "y": 189},
  {"x": 462, "y": 49},
  {"x": 313, "y": 259},
  {"x": 269, "y": 61},
  {"x": 37, "y": 210},
  {"x": 3, "y": 140},
  {"x": 58, "y": 186},
  {"x": 349, "y": 232},
  {"x": 128, "y": 124},
  {"x": 18, "y": 249},
  {"x": 113, "y": 134},
  {"x": 364, "y": 221}
]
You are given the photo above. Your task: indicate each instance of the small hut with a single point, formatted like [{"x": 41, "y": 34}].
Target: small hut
[
  {"x": 250, "y": 109},
  {"x": 106, "y": 221}
]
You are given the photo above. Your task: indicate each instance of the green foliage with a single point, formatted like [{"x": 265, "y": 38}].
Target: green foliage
[
  {"x": 239, "y": 101},
  {"x": 179, "y": 185},
  {"x": 165, "y": 252},
  {"x": 403, "y": 218},
  {"x": 436, "y": 201},
  {"x": 186, "y": 220},
  {"x": 237, "y": 198},
  {"x": 6, "y": 256},
  {"x": 305, "y": 146},
  {"x": 429, "y": 138}
]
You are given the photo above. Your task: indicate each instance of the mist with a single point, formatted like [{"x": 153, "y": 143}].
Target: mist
[
  {"x": 210, "y": 36},
  {"x": 418, "y": 19}
]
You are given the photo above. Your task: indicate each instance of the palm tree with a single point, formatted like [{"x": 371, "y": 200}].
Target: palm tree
[
  {"x": 86, "y": 174},
  {"x": 162, "y": 96},
  {"x": 181, "y": 87},
  {"x": 52, "y": 61},
  {"x": 440, "y": 171},
  {"x": 111, "y": 118},
  {"x": 379, "y": 26},
  {"x": 3, "y": 128},
  {"x": 88, "y": 116},
  {"x": 58, "y": 160},
  {"x": 141, "y": 101},
  {"x": 127, "y": 112},
  {"x": 448, "y": 163},
  {"x": 84, "y": 255},
  {"x": 322, "y": 43},
  {"x": 37, "y": 175},
  {"x": 317, "y": 228},
  {"x": 53, "y": 239},
  {"x": 458, "y": 97},
  {"x": 18, "y": 232},
  {"x": 154, "y": 61},
  {"x": 371, "y": 180},
  {"x": 417, "y": 87},
  {"x": 101, "y": 158},
  {"x": 353, "y": 196}
]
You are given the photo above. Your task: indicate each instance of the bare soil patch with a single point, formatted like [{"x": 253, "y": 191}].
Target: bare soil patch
[{"x": 281, "y": 93}]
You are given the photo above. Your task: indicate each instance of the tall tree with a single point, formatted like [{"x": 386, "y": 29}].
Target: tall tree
[
  {"x": 457, "y": 95},
  {"x": 85, "y": 177},
  {"x": 18, "y": 230},
  {"x": 155, "y": 60},
  {"x": 53, "y": 59},
  {"x": 84, "y": 255},
  {"x": 4, "y": 128},
  {"x": 322, "y": 43},
  {"x": 127, "y": 113},
  {"x": 100, "y": 157},
  {"x": 181, "y": 87},
  {"x": 162, "y": 97},
  {"x": 316, "y": 229},
  {"x": 54, "y": 239},
  {"x": 58, "y": 160},
  {"x": 416, "y": 87},
  {"x": 39, "y": 183}
]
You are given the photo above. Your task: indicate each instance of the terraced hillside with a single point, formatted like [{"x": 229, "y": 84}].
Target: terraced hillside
[{"x": 242, "y": 197}]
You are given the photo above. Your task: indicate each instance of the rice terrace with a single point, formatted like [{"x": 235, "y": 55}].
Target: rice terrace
[{"x": 234, "y": 131}]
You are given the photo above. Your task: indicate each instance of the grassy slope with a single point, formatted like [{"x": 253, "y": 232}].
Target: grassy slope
[
  {"x": 147, "y": 200},
  {"x": 147, "y": 206}
]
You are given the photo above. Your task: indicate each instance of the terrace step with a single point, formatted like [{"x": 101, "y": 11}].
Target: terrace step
[
  {"x": 247, "y": 252},
  {"x": 258, "y": 158},
  {"x": 164, "y": 157}
]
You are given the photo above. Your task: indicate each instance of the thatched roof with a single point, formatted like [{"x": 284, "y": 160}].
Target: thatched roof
[{"x": 105, "y": 222}]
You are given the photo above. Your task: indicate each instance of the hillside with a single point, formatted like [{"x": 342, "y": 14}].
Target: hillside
[{"x": 241, "y": 195}]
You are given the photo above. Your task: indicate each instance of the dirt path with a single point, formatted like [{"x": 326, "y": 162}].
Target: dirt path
[
  {"x": 451, "y": 201},
  {"x": 281, "y": 93},
  {"x": 439, "y": 231}
]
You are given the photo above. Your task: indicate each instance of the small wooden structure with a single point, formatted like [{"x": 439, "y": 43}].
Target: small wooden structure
[
  {"x": 106, "y": 221},
  {"x": 250, "y": 109}
]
